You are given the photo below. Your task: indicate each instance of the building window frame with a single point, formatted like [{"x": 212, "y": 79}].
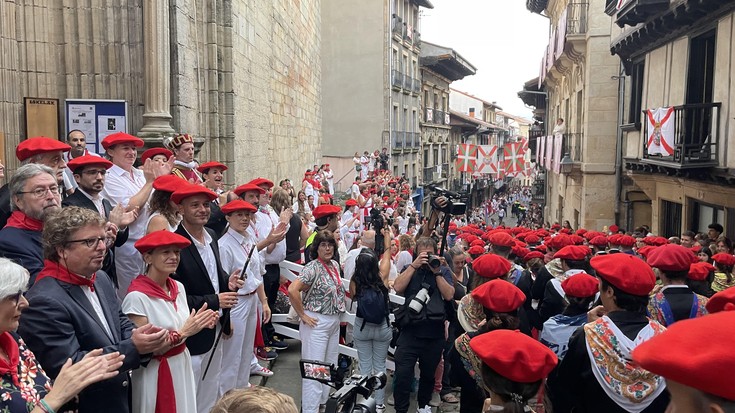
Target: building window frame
[{"x": 635, "y": 103}]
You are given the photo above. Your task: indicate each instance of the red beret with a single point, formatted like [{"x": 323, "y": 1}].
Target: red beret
[
  {"x": 520, "y": 252},
  {"x": 670, "y": 257},
  {"x": 661, "y": 241},
  {"x": 576, "y": 239},
  {"x": 325, "y": 210},
  {"x": 476, "y": 250},
  {"x": 696, "y": 353},
  {"x": 699, "y": 271},
  {"x": 532, "y": 239},
  {"x": 541, "y": 248},
  {"x": 262, "y": 182},
  {"x": 614, "y": 239},
  {"x": 499, "y": 296},
  {"x": 501, "y": 239},
  {"x": 87, "y": 160},
  {"x": 645, "y": 250},
  {"x": 471, "y": 238},
  {"x": 247, "y": 188},
  {"x": 581, "y": 231},
  {"x": 614, "y": 228},
  {"x": 626, "y": 272},
  {"x": 558, "y": 242},
  {"x": 625, "y": 241},
  {"x": 491, "y": 266},
  {"x": 514, "y": 355},
  {"x": 556, "y": 226},
  {"x": 542, "y": 233},
  {"x": 573, "y": 252},
  {"x": 162, "y": 238},
  {"x": 724, "y": 259},
  {"x": 533, "y": 254},
  {"x": 580, "y": 285},
  {"x": 599, "y": 241},
  {"x": 592, "y": 234},
  {"x": 238, "y": 205},
  {"x": 190, "y": 190},
  {"x": 565, "y": 231},
  {"x": 39, "y": 145},
  {"x": 477, "y": 242},
  {"x": 153, "y": 152},
  {"x": 722, "y": 301},
  {"x": 168, "y": 183},
  {"x": 203, "y": 168},
  {"x": 119, "y": 138},
  {"x": 350, "y": 203}
]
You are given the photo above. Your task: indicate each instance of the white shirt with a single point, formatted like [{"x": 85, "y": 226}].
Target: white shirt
[
  {"x": 120, "y": 186},
  {"x": 355, "y": 189},
  {"x": 95, "y": 301},
  {"x": 233, "y": 250},
  {"x": 96, "y": 200},
  {"x": 279, "y": 252},
  {"x": 206, "y": 253}
]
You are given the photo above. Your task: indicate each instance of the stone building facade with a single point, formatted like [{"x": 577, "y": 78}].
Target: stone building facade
[{"x": 243, "y": 76}]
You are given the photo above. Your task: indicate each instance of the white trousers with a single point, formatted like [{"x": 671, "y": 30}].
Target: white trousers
[
  {"x": 238, "y": 349},
  {"x": 207, "y": 389},
  {"x": 319, "y": 343}
]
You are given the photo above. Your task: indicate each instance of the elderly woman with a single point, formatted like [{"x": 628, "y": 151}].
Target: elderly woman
[
  {"x": 24, "y": 386},
  {"x": 319, "y": 310},
  {"x": 156, "y": 298}
]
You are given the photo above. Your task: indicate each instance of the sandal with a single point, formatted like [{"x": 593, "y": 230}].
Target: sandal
[{"x": 450, "y": 398}]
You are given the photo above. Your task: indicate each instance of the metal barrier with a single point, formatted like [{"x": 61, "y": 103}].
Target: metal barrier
[{"x": 290, "y": 271}]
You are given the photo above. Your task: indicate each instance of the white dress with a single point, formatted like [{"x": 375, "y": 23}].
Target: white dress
[{"x": 161, "y": 313}]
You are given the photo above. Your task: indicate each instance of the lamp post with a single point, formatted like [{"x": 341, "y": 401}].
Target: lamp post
[{"x": 566, "y": 164}]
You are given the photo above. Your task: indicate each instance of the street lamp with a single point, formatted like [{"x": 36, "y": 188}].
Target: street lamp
[{"x": 566, "y": 164}]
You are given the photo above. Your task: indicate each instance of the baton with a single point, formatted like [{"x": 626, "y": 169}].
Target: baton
[{"x": 216, "y": 341}]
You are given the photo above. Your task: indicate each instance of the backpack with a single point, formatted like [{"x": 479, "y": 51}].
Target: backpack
[{"x": 372, "y": 306}]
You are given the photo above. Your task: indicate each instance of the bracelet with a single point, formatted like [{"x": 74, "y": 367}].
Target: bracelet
[
  {"x": 45, "y": 407},
  {"x": 414, "y": 268}
]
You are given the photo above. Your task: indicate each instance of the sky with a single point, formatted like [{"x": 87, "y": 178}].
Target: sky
[{"x": 501, "y": 38}]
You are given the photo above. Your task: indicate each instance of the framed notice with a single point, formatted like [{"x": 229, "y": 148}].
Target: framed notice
[
  {"x": 96, "y": 118},
  {"x": 41, "y": 117}
]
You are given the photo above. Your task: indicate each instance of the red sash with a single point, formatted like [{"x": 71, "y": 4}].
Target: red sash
[
  {"x": 56, "y": 270},
  {"x": 165, "y": 394}
]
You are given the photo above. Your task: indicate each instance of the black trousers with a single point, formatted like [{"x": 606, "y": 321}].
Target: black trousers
[
  {"x": 271, "y": 282},
  {"x": 410, "y": 349}
]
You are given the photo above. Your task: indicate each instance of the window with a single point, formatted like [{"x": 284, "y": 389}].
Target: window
[
  {"x": 670, "y": 219},
  {"x": 705, "y": 214},
  {"x": 635, "y": 108}
]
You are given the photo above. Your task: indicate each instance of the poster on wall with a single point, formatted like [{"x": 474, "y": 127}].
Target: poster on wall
[
  {"x": 96, "y": 118},
  {"x": 41, "y": 117}
]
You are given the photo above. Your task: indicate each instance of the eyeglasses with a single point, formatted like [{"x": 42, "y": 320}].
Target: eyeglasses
[
  {"x": 95, "y": 172},
  {"x": 41, "y": 192},
  {"x": 15, "y": 298},
  {"x": 326, "y": 245},
  {"x": 92, "y": 242}
]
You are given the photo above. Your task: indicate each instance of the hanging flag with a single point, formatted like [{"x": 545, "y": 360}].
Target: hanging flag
[
  {"x": 549, "y": 153},
  {"x": 466, "y": 157},
  {"x": 527, "y": 169},
  {"x": 540, "y": 147},
  {"x": 513, "y": 158},
  {"x": 558, "y": 141},
  {"x": 660, "y": 129},
  {"x": 524, "y": 144},
  {"x": 486, "y": 159}
]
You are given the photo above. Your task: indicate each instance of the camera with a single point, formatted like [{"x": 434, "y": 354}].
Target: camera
[
  {"x": 420, "y": 299},
  {"x": 345, "y": 399},
  {"x": 434, "y": 261},
  {"x": 452, "y": 208},
  {"x": 377, "y": 221}
]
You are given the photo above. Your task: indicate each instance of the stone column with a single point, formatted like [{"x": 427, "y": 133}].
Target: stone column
[{"x": 157, "y": 61}]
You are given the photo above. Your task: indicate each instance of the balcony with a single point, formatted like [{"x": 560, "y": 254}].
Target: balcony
[
  {"x": 408, "y": 141},
  {"x": 407, "y": 84},
  {"x": 416, "y": 88},
  {"x": 632, "y": 12},
  {"x": 572, "y": 145},
  {"x": 396, "y": 79},
  {"x": 397, "y": 138},
  {"x": 696, "y": 137},
  {"x": 416, "y": 140},
  {"x": 577, "y": 18},
  {"x": 439, "y": 117},
  {"x": 397, "y": 26}
]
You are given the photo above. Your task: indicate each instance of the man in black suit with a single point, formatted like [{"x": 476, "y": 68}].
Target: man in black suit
[
  {"x": 201, "y": 273},
  {"x": 73, "y": 309},
  {"x": 89, "y": 173}
]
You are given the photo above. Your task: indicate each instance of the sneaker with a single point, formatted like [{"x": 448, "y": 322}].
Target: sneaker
[
  {"x": 260, "y": 371},
  {"x": 278, "y": 344},
  {"x": 380, "y": 408},
  {"x": 435, "y": 400},
  {"x": 425, "y": 409},
  {"x": 266, "y": 354}
]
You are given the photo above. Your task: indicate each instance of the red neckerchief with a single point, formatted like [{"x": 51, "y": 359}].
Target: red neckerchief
[
  {"x": 61, "y": 273},
  {"x": 165, "y": 395},
  {"x": 10, "y": 366},
  {"x": 20, "y": 220},
  {"x": 149, "y": 287}
]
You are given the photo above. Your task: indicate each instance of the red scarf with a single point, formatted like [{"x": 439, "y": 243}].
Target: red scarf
[
  {"x": 20, "y": 220},
  {"x": 61, "y": 273},
  {"x": 165, "y": 393},
  {"x": 149, "y": 287},
  {"x": 8, "y": 343}
]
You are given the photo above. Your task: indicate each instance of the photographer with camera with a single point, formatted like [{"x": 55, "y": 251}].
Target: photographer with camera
[{"x": 428, "y": 286}]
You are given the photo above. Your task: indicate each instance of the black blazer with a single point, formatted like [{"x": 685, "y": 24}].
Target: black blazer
[
  {"x": 61, "y": 323},
  {"x": 24, "y": 247},
  {"x": 81, "y": 200},
  {"x": 192, "y": 273}
]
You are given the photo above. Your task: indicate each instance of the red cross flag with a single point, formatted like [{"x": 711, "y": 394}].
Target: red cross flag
[
  {"x": 660, "y": 140},
  {"x": 466, "y": 157},
  {"x": 486, "y": 159},
  {"x": 514, "y": 162}
]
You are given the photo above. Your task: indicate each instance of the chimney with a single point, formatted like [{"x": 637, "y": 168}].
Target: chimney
[{"x": 472, "y": 112}]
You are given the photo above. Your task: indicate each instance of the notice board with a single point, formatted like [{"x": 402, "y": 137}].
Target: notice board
[
  {"x": 97, "y": 118},
  {"x": 42, "y": 117}
]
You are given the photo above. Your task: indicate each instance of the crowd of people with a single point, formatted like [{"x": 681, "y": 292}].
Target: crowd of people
[{"x": 150, "y": 288}]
